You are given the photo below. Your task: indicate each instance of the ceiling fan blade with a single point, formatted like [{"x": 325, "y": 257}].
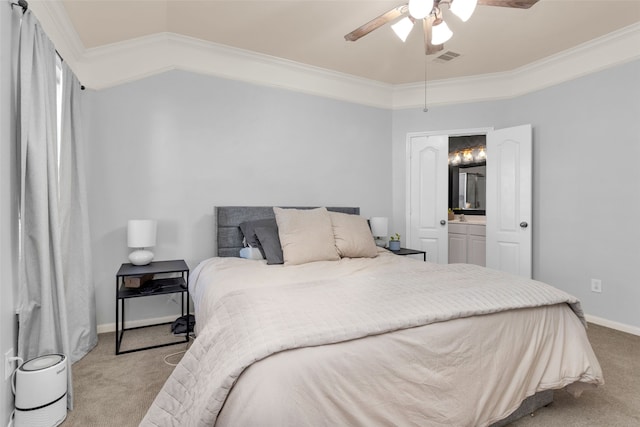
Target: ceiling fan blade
[
  {"x": 427, "y": 25},
  {"x": 375, "y": 23},
  {"x": 520, "y": 4}
]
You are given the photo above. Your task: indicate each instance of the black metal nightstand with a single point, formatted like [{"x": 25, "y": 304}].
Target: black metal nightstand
[
  {"x": 155, "y": 286},
  {"x": 405, "y": 251}
]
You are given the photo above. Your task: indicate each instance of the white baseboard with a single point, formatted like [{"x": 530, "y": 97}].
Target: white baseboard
[
  {"x": 634, "y": 330},
  {"x": 111, "y": 327}
]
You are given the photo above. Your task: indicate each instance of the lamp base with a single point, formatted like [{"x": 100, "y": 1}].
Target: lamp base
[
  {"x": 141, "y": 257},
  {"x": 381, "y": 242}
]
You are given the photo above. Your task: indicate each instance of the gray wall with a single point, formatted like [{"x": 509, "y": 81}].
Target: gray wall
[
  {"x": 586, "y": 145},
  {"x": 8, "y": 208},
  {"x": 173, "y": 146}
]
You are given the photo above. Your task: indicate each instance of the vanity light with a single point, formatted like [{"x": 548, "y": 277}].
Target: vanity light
[
  {"x": 456, "y": 159},
  {"x": 467, "y": 156}
]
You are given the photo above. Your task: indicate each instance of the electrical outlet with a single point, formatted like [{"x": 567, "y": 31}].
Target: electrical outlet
[
  {"x": 596, "y": 285},
  {"x": 9, "y": 364}
]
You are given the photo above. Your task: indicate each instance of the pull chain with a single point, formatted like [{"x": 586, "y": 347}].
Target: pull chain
[{"x": 425, "y": 109}]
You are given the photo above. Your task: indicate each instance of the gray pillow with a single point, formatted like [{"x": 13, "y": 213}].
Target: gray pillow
[
  {"x": 270, "y": 242},
  {"x": 248, "y": 229}
]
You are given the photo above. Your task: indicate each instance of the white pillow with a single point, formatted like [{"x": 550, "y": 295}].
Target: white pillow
[
  {"x": 353, "y": 236},
  {"x": 306, "y": 235}
]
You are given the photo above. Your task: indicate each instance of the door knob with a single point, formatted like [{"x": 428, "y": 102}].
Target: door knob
[
  {"x": 443, "y": 222},
  {"x": 524, "y": 224}
]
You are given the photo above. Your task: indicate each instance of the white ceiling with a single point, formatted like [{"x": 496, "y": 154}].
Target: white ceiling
[{"x": 312, "y": 32}]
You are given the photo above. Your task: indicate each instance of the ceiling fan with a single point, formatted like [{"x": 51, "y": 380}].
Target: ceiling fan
[{"x": 436, "y": 31}]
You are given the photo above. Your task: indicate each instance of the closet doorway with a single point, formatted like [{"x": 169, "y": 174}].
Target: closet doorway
[{"x": 508, "y": 196}]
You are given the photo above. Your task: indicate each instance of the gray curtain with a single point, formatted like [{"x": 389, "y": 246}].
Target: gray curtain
[
  {"x": 76, "y": 245},
  {"x": 42, "y": 308}
]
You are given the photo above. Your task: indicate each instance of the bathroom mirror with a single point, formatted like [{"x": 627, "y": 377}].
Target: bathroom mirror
[
  {"x": 468, "y": 174},
  {"x": 468, "y": 189}
]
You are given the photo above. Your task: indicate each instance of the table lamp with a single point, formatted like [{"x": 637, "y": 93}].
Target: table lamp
[
  {"x": 141, "y": 234},
  {"x": 380, "y": 230}
]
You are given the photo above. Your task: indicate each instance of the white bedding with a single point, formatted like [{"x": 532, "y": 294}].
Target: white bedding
[
  {"x": 216, "y": 277},
  {"x": 377, "y": 341}
]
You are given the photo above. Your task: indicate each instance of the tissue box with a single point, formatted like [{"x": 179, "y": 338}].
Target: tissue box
[{"x": 137, "y": 281}]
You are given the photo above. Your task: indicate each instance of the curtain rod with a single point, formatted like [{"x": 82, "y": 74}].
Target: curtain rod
[
  {"x": 62, "y": 60},
  {"x": 25, "y": 5}
]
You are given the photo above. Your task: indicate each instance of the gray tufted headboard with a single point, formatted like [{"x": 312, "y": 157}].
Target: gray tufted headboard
[{"x": 229, "y": 218}]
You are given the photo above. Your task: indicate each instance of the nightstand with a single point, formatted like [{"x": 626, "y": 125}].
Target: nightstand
[
  {"x": 176, "y": 284},
  {"x": 405, "y": 251}
]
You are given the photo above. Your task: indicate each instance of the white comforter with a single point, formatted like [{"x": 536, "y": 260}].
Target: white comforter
[{"x": 370, "y": 342}]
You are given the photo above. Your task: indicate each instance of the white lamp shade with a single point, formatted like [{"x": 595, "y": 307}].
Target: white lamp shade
[
  {"x": 463, "y": 8},
  {"x": 402, "y": 28},
  {"x": 141, "y": 233},
  {"x": 420, "y": 8},
  {"x": 379, "y": 226},
  {"x": 440, "y": 33}
]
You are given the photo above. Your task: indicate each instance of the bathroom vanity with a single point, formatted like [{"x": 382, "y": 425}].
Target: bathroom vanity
[{"x": 467, "y": 241}]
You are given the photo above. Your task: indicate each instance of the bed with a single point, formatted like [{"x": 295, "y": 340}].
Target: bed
[{"x": 368, "y": 340}]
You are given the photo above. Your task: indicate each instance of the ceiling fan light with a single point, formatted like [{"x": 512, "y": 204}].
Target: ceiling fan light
[
  {"x": 402, "y": 28},
  {"x": 463, "y": 9},
  {"x": 441, "y": 33},
  {"x": 419, "y": 9}
]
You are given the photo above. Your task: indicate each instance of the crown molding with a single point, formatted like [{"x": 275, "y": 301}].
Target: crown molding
[
  {"x": 613, "y": 49},
  {"x": 118, "y": 63}
]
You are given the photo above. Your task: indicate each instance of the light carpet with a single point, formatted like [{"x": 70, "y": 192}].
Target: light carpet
[
  {"x": 112, "y": 390},
  {"x": 117, "y": 390}
]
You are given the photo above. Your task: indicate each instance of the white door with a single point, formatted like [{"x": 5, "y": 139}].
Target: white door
[
  {"x": 428, "y": 196},
  {"x": 509, "y": 195}
]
